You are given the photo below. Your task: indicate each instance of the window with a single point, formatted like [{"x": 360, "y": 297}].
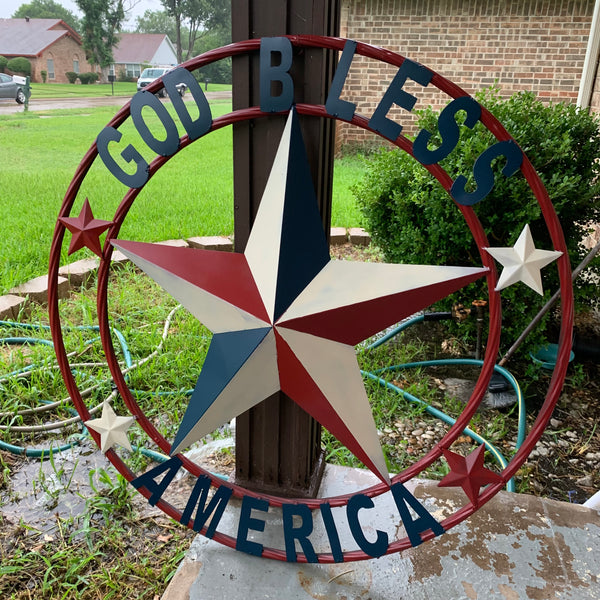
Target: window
[
  {"x": 133, "y": 70},
  {"x": 50, "y": 68},
  {"x": 75, "y": 65}
]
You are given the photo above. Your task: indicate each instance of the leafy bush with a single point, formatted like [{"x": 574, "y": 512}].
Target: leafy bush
[
  {"x": 87, "y": 78},
  {"x": 44, "y": 75},
  {"x": 3, "y": 63},
  {"x": 414, "y": 220},
  {"x": 19, "y": 64},
  {"x": 71, "y": 76}
]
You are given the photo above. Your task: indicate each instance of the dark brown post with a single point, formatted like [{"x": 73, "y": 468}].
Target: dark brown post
[{"x": 278, "y": 445}]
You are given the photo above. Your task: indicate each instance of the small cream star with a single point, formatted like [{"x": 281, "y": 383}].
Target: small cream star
[
  {"x": 523, "y": 262},
  {"x": 112, "y": 429}
]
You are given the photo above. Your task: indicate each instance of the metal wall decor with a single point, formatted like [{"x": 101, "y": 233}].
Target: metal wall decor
[{"x": 288, "y": 320}]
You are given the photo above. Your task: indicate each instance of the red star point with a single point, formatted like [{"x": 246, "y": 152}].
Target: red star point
[
  {"x": 85, "y": 230},
  {"x": 468, "y": 473}
]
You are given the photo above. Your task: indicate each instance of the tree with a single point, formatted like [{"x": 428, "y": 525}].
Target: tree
[
  {"x": 197, "y": 16},
  {"x": 156, "y": 21},
  {"x": 47, "y": 9},
  {"x": 101, "y": 23}
]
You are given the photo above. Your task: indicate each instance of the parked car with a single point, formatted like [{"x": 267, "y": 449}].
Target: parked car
[
  {"x": 11, "y": 89},
  {"x": 151, "y": 74}
]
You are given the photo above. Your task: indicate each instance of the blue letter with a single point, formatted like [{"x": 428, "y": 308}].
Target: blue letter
[
  {"x": 247, "y": 522},
  {"x": 380, "y": 545},
  {"x": 449, "y": 130},
  {"x": 334, "y": 106},
  {"x": 130, "y": 154},
  {"x": 165, "y": 147},
  {"x": 483, "y": 174},
  {"x": 158, "y": 489},
  {"x": 332, "y": 534},
  {"x": 300, "y": 533},
  {"x": 269, "y": 73},
  {"x": 202, "y": 124},
  {"x": 396, "y": 95},
  {"x": 216, "y": 505},
  {"x": 415, "y": 527}
]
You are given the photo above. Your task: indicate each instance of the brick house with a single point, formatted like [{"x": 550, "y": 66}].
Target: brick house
[
  {"x": 49, "y": 44},
  {"x": 137, "y": 50},
  {"x": 515, "y": 44}
]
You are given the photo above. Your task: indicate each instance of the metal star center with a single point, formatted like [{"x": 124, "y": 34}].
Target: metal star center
[{"x": 285, "y": 317}]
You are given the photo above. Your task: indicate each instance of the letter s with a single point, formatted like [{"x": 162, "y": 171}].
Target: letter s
[
  {"x": 483, "y": 174},
  {"x": 449, "y": 130}
]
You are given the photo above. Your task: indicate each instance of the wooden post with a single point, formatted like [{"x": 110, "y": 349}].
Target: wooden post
[{"x": 278, "y": 445}]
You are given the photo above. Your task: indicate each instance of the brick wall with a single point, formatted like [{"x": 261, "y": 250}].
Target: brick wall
[
  {"x": 63, "y": 52},
  {"x": 536, "y": 45}
]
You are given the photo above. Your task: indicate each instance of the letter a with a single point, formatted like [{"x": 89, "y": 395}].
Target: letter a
[
  {"x": 414, "y": 527},
  {"x": 158, "y": 489}
]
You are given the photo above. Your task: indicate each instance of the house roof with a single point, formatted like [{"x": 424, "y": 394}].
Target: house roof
[
  {"x": 138, "y": 48},
  {"x": 30, "y": 37}
]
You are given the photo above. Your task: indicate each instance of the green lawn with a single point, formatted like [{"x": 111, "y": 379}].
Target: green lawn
[
  {"x": 191, "y": 195},
  {"x": 76, "y": 90}
]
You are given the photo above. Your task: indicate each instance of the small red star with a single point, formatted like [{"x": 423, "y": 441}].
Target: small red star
[
  {"x": 85, "y": 230},
  {"x": 468, "y": 473}
]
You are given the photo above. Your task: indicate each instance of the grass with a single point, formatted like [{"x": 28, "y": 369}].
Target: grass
[
  {"x": 108, "y": 552},
  {"x": 68, "y": 90},
  {"x": 190, "y": 196}
]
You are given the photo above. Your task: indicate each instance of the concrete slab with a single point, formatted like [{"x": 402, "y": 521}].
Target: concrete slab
[{"x": 515, "y": 547}]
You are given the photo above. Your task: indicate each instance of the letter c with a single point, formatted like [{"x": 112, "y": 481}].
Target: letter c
[{"x": 380, "y": 545}]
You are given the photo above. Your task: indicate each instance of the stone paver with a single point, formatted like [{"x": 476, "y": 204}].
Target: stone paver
[
  {"x": 359, "y": 236},
  {"x": 211, "y": 242},
  {"x": 13, "y": 307},
  {"x": 37, "y": 289}
]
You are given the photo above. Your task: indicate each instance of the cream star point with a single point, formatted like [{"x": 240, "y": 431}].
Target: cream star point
[
  {"x": 523, "y": 262},
  {"x": 112, "y": 428}
]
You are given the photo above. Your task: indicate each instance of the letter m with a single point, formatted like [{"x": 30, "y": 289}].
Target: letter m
[{"x": 216, "y": 506}]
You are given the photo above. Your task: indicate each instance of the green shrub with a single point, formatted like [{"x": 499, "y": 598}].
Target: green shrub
[
  {"x": 87, "y": 78},
  {"x": 44, "y": 75},
  {"x": 414, "y": 220},
  {"x": 71, "y": 76},
  {"x": 3, "y": 63},
  {"x": 19, "y": 65}
]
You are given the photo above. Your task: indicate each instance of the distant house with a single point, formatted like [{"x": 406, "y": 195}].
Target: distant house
[
  {"x": 138, "y": 50},
  {"x": 49, "y": 44}
]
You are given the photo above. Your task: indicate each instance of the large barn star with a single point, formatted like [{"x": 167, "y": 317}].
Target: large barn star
[{"x": 285, "y": 317}]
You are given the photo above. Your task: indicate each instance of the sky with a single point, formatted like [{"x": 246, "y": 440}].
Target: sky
[{"x": 8, "y": 7}]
